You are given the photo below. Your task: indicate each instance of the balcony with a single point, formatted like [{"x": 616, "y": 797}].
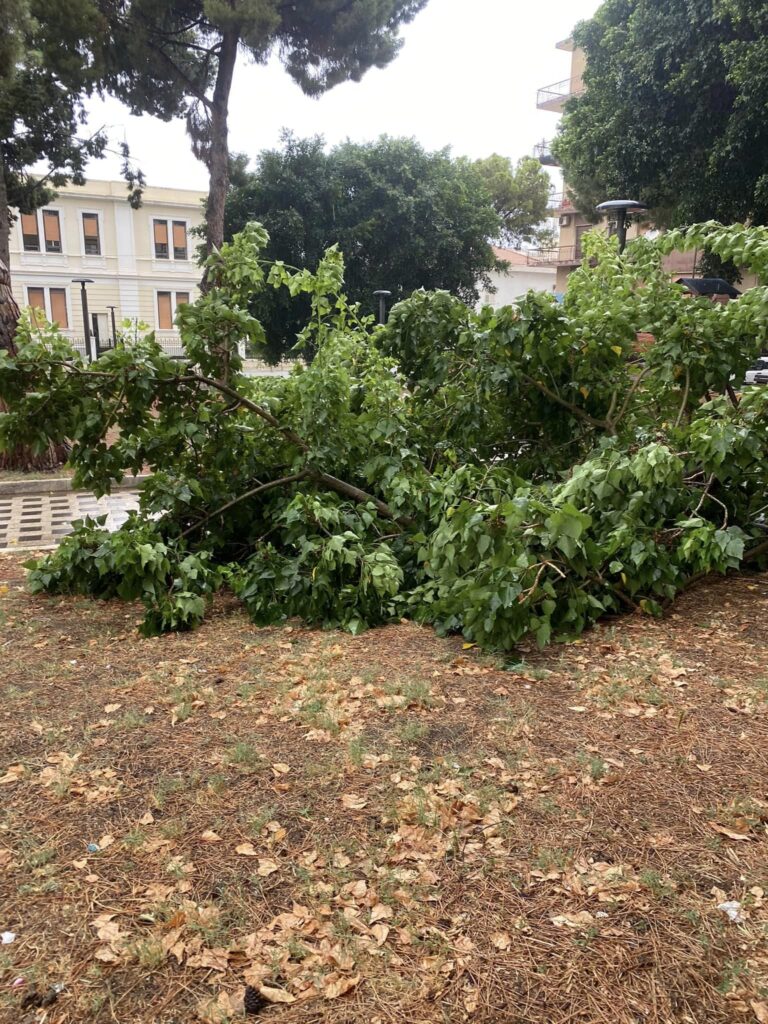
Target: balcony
[
  {"x": 554, "y": 97},
  {"x": 543, "y": 153},
  {"x": 562, "y": 256}
]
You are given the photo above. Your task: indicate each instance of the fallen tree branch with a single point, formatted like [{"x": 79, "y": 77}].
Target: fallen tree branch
[
  {"x": 282, "y": 481},
  {"x": 684, "y": 403},
  {"x": 331, "y": 482},
  {"x": 579, "y": 413}
]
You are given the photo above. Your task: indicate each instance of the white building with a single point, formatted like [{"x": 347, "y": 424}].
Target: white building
[
  {"x": 141, "y": 262},
  {"x": 524, "y": 272}
]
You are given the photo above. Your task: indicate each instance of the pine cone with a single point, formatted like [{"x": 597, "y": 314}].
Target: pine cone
[{"x": 254, "y": 1000}]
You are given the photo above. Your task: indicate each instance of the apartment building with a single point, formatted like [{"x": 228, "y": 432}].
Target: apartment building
[
  {"x": 521, "y": 273},
  {"x": 572, "y": 222},
  {"x": 138, "y": 264}
]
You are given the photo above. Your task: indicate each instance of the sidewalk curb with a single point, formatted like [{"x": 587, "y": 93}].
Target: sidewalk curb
[{"x": 61, "y": 485}]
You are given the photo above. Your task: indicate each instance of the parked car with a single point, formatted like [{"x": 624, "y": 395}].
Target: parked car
[{"x": 758, "y": 372}]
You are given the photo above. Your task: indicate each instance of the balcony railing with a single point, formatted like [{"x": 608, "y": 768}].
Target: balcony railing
[
  {"x": 553, "y": 97},
  {"x": 562, "y": 256},
  {"x": 542, "y": 151}
]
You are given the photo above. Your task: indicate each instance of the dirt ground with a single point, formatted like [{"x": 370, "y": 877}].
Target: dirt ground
[{"x": 388, "y": 828}]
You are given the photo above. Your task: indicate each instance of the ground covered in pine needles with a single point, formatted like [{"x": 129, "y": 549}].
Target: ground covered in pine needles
[{"x": 388, "y": 828}]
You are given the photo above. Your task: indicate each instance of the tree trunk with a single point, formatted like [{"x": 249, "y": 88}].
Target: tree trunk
[
  {"x": 5, "y": 221},
  {"x": 218, "y": 161}
]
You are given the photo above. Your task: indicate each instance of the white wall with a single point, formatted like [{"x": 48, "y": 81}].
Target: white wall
[{"x": 514, "y": 284}]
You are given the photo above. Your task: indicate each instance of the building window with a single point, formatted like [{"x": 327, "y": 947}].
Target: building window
[
  {"x": 167, "y": 304},
  {"x": 58, "y": 299},
  {"x": 36, "y": 300},
  {"x": 91, "y": 240},
  {"x": 30, "y": 232},
  {"x": 164, "y": 311},
  {"x": 161, "y": 239},
  {"x": 52, "y": 307},
  {"x": 179, "y": 240},
  {"x": 176, "y": 236},
  {"x": 51, "y": 231}
]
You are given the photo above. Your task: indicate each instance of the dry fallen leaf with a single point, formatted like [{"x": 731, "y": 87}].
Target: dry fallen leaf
[
  {"x": 109, "y": 708},
  {"x": 246, "y": 850},
  {"x": 354, "y": 802},
  {"x": 266, "y": 867},
  {"x": 380, "y": 932},
  {"x": 281, "y": 768},
  {"x": 209, "y": 836},
  {"x": 760, "y": 1011},
  {"x": 147, "y": 819},
  {"x": 740, "y": 836},
  {"x": 106, "y": 841},
  {"x": 471, "y": 999},
  {"x": 276, "y": 995},
  {"x": 581, "y": 920},
  {"x": 12, "y": 774},
  {"x": 335, "y": 986},
  {"x": 501, "y": 940},
  {"x": 381, "y": 912}
]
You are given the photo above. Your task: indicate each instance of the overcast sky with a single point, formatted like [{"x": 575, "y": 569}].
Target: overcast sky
[{"x": 466, "y": 78}]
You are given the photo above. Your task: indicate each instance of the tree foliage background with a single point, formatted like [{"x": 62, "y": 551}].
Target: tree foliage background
[
  {"x": 319, "y": 42},
  {"x": 405, "y": 218},
  {"x": 503, "y": 473},
  {"x": 673, "y": 113}
]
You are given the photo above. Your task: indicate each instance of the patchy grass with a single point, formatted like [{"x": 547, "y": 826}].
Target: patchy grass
[{"x": 384, "y": 828}]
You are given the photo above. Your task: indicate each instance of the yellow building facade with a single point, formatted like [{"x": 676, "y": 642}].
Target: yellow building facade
[{"x": 139, "y": 264}]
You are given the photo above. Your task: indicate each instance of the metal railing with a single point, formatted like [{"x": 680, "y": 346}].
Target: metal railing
[
  {"x": 563, "y": 255},
  {"x": 551, "y": 97},
  {"x": 542, "y": 151}
]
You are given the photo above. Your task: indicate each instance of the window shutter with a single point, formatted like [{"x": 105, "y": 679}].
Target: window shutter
[
  {"x": 59, "y": 307},
  {"x": 30, "y": 233},
  {"x": 182, "y": 298},
  {"x": 91, "y": 234},
  {"x": 164, "y": 311},
  {"x": 51, "y": 231},
  {"x": 36, "y": 299},
  {"x": 179, "y": 240},
  {"x": 160, "y": 229}
]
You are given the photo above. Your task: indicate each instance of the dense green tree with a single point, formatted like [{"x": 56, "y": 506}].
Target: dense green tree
[
  {"x": 674, "y": 109},
  {"x": 320, "y": 43},
  {"x": 519, "y": 193},
  {"x": 52, "y": 57},
  {"x": 404, "y": 218}
]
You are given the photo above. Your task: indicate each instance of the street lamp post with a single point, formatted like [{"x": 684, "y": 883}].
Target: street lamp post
[
  {"x": 622, "y": 208},
  {"x": 83, "y": 281},
  {"x": 382, "y": 295},
  {"x": 114, "y": 328}
]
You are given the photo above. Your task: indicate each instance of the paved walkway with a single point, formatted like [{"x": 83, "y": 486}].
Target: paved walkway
[{"x": 41, "y": 520}]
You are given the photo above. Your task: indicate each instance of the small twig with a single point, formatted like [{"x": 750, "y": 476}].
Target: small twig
[{"x": 635, "y": 385}]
